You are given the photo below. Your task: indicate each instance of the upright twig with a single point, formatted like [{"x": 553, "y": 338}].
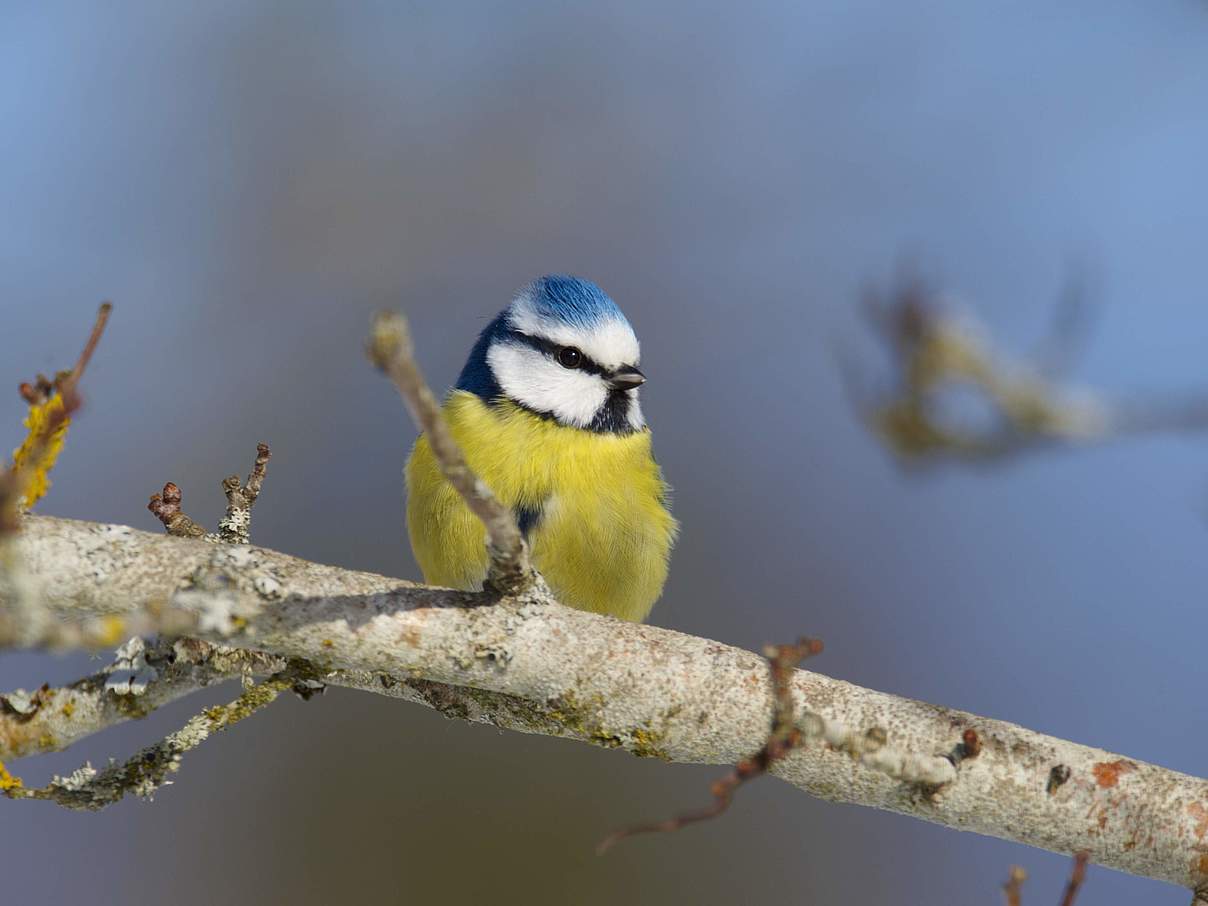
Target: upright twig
[
  {"x": 1013, "y": 889},
  {"x": 1077, "y": 876},
  {"x": 166, "y": 508},
  {"x": 14, "y": 481},
  {"x": 391, "y": 350},
  {"x": 235, "y": 526}
]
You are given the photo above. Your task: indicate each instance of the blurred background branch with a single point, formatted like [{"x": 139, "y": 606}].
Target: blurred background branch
[{"x": 953, "y": 395}]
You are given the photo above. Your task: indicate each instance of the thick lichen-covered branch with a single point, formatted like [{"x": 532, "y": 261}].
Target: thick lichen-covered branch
[
  {"x": 533, "y": 665},
  {"x": 391, "y": 350}
]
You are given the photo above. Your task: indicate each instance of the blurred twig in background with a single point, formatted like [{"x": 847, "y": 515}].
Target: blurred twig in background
[
  {"x": 934, "y": 352},
  {"x": 941, "y": 359}
]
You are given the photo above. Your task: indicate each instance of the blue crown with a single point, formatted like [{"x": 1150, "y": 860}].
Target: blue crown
[{"x": 571, "y": 300}]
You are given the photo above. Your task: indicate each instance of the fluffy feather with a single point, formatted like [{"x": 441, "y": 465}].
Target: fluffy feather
[{"x": 602, "y": 533}]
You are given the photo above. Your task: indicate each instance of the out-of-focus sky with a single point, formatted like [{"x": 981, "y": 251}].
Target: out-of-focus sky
[{"x": 248, "y": 182}]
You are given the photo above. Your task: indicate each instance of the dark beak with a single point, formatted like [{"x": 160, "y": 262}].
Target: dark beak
[{"x": 626, "y": 379}]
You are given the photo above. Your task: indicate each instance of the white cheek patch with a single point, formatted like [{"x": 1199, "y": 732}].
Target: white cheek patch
[
  {"x": 533, "y": 379},
  {"x": 611, "y": 342}
]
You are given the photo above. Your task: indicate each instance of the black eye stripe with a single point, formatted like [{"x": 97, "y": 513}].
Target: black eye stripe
[{"x": 551, "y": 349}]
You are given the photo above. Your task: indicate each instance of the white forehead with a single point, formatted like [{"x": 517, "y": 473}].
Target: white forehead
[{"x": 609, "y": 341}]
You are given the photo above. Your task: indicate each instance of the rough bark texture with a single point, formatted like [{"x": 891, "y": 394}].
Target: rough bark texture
[{"x": 529, "y": 664}]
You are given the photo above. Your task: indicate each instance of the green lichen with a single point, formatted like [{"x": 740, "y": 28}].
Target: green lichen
[
  {"x": 582, "y": 719},
  {"x": 566, "y": 716},
  {"x": 132, "y": 706},
  {"x": 251, "y": 701},
  {"x": 646, "y": 744}
]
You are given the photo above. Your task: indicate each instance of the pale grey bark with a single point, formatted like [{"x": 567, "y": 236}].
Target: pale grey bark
[{"x": 530, "y": 664}]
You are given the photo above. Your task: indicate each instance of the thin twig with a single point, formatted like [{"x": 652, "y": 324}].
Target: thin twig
[
  {"x": 166, "y": 508},
  {"x": 14, "y": 482},
  {"x": 783, "y": 737},
  {"x": 148, "y": 770},
  {"x": 98, "y": 328},
  {"x": 1013, "y": 889},
  {"x": 235, "y": 527},
  {"x": 391, "y": 350},
  {"x": 1077, "y": 876},
  {"x": 51, "y": 719}
]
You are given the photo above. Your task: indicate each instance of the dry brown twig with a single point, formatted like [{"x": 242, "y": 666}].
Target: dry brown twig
[
  {"x": 235, "y": 526},
  {"x": 166, "y": 508},
  {"x": 783, "y": 737},
  {"x": 1013, "y": 888},
  {"x": 392, "y": 351},
  {"x": 1077, "y": 876}
]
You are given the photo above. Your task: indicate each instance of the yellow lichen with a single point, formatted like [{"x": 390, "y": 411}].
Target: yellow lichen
[
  {"x": 646, "y": 744},
  {"x": 68, "y": 708},
  {"x": 34, "y": 459},
  {"x": 113, "y": 630},
  {"x": 8, "y": 782}
]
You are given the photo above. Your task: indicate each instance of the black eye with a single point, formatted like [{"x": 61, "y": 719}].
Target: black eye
[{"x": 569, "y": 357}]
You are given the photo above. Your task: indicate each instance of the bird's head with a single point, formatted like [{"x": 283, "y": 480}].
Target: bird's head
[{"x": 563, "y": 350}]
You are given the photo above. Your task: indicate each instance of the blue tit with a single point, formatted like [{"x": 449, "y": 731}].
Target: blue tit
[{"x": 546, "y": 412}]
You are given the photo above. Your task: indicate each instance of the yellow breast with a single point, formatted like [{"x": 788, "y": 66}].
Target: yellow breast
[{"x": 601, "y": 533}]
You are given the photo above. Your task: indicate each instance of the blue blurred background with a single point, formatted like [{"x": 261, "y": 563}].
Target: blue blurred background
[{"x": 248, "y": 182}]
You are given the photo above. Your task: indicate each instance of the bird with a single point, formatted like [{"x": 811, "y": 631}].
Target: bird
[{"x": 546, "y": 413}]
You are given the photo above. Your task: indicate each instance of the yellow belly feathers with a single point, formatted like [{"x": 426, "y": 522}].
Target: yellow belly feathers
[{"x": 603, "y": 534}]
